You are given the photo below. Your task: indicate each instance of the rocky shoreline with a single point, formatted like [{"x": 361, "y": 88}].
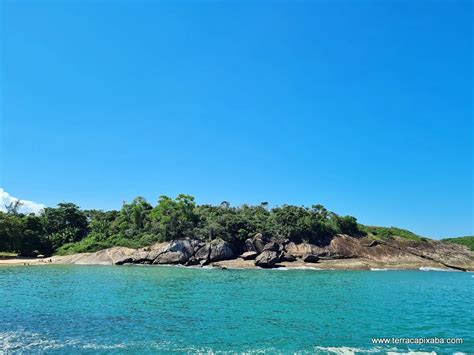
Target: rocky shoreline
[{"x": 341, "y": 252}]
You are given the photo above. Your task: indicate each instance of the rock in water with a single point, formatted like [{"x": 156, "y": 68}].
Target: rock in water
[
  {"x": 249, "y": 255},
  {"x": 310, "y": 258},
  {"x": 267, "y": 259}
]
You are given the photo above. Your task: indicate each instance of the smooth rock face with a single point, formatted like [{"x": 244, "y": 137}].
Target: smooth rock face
[
  {"x": 171, "y": 257},
  {"x": 102, "y": 257},
  {"x": 267, "y": 259},
  {"x": 183, "y": 246},
  {"x": 249, "y": 255},
  {"x": 156, "y": 250},
  {"x": 303, "y": 249},
  {"x": 221, "y": 250},
  {"x": 310, "y": 258},
  {"x": 178, "y": 252}
]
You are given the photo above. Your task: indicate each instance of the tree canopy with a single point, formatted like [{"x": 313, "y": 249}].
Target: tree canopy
[{"x": 67, "y": 228}]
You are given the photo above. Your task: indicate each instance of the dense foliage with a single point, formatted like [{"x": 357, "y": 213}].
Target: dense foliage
[
  {"x": 68, "y": 229},
  {"x": 467, "y": 241}
]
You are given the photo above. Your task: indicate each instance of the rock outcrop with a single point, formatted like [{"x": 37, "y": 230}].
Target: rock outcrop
[
  {"x": 178, "y": 252},
  {"x": 267, "y": 259},
  {"x": 393, "y": 252},
  {"x": 103, "y": 257},
  {"x": 221, "y": 250},
  {"x": 257, "y": 243}
]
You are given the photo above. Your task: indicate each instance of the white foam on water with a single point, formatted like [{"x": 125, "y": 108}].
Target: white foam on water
[
  {"x": 378, "y": 269},
  {"x": 429, "y": 268},
  {"x": 33, "y": 342},
  {"x": 345, "y": 350},
  {"x": 26, "y": 341}
]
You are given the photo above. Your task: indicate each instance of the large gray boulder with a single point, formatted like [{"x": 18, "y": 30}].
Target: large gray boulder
[
  {"x": 171, "y": 257},
  {"x": 215, "y": 250},
  {"x": 267, "y": 259},
  {"x": 221, "y": 250},
  {"x": 156, "y": 249},
  {"x": 259, "y": 242},
  {"x": 178, "y": 252}
]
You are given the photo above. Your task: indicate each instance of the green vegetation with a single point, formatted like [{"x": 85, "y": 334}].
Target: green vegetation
[
  {"x": 67, "y": 229},
  {"x": 390, "y": 232},
  {"x": 467, "y": 241}
]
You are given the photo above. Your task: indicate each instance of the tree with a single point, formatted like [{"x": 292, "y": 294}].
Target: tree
[
  {"x": 172, "y": 219},
  {"x": 13, "y": 207},
  {"x": 64, "y": 224}
]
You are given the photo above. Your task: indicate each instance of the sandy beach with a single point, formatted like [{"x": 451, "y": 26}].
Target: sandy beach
[{"x": 23, "y": 261}]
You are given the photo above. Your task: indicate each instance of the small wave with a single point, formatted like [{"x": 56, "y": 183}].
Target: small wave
[
  {"x": 26, "y": 341},
  {"x": 429, "y": 268},
  {"x": 345, "y": 350},
  {"x": 378, "y": 269}
]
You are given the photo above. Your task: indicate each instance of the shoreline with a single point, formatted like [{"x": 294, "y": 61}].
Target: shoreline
[{"x": 359, "y": 264}]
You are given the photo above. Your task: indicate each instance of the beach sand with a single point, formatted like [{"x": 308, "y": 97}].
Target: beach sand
[{"x": 23, "y": 261}]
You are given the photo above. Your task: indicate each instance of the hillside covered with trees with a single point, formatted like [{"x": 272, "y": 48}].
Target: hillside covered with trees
[{"x": 68, "y": 229}]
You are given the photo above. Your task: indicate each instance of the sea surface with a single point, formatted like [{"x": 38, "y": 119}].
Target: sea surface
[{"x": 139, "y": 310}]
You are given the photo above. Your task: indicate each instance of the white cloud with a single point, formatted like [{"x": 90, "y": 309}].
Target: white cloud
[{"x": 26, "y": 206}]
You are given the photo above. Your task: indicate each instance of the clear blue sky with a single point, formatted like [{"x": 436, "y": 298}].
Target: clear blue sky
[{"x": 363, "y": 106}]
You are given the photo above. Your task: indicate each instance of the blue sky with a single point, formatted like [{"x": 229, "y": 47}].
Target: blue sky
[{"x": 363, "y": 106}]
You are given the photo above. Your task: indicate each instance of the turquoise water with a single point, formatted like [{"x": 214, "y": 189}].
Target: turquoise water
[{"x": 90, "y": 309}]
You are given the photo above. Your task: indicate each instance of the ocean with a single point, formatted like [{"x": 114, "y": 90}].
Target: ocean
[{"x": 165, "y": 309}]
